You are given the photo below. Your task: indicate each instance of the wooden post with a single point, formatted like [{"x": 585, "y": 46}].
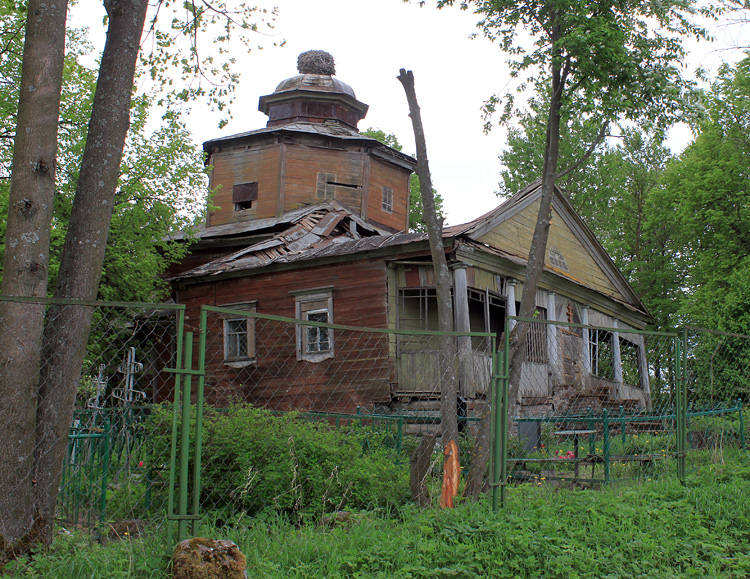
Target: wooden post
[{"x": 461, "y": 315}]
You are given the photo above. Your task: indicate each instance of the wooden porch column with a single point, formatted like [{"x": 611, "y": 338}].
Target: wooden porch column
[
  {"x": 617, "y": 358},
  {"x": 643, "y": 368},
  {"x": 462, "y": 324},
  {"x": 586, "y": 350},
  {"x": 510, "y": 294},
  {"x": 554, "y": 360}
]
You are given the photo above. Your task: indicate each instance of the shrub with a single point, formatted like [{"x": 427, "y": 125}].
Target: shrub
[{"x": 254, "y": 460}]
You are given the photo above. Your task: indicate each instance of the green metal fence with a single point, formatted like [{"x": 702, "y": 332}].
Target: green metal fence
[
  {"x": 378, "y": 388},
  {"x": 588, "y": 433},
  {"x": 159, "y": 398}
]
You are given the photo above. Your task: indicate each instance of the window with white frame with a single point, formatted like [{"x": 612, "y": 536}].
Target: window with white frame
[
  {"x": 239, "y": 335},
  {"x": 314, "y": 340}
]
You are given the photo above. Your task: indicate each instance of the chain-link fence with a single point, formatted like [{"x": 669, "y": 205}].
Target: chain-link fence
[
  {"x": 717, "y": 381},
  {"x": 108, "y": 464},
  {"x": 590, "y": 405},
  {"x": 307, "y": 417},
  {"x": 226, "y": 411}
]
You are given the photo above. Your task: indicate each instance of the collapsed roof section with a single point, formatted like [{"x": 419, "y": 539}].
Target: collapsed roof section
[{"x": 315, "y": 231}]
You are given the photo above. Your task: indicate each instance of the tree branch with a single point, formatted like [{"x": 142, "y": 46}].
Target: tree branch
[{"x": 582, "y": 159}]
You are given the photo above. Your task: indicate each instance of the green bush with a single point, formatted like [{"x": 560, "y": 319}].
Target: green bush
[{"x": 254, "y": 460}]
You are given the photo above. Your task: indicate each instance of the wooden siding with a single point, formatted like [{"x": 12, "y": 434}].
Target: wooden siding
[
  {"x": 287, "y": 172},
  {"x": 386, "y": 175},
  {"x": 514, "y": 236},
  {"x": 243, "y": 165},
  {"x": 360, "y": 371},
  {"x": 303, "y": 163}
]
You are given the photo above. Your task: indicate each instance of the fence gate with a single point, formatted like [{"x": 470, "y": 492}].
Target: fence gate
[{"x": 185, "y": 450}]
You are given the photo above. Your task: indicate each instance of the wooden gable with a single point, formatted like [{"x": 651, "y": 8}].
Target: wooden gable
[{"x": 572, "y": 250}]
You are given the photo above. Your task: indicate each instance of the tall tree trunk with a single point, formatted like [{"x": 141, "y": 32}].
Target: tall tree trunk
[
  {"x": 443, "y": 281},
  {"x": 534, "y": 269},
  {"x": 25, "y": 265},
  {"x": 538, "y": 249},
  {"x": 67, "y": 329}
]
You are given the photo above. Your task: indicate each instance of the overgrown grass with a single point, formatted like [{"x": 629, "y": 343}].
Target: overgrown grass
[{"x": 656, "y": 529}]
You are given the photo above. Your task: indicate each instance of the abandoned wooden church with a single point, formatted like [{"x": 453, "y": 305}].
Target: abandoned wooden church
[{"x": 310, "y": 222}]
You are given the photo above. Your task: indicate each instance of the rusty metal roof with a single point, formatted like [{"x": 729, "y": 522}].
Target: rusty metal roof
[{"x": 317, "y": 231}]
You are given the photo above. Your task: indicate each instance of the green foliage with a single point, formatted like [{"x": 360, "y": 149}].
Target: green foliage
[
  {"x": 616, "y": 59},
  {"x": 653, "y": 529},
  {"x": 161, "y": 189},
  {"x": 188, "y": 51},
  {"x": 256, "y": 461},
  {"x": 416, "y": 217}
]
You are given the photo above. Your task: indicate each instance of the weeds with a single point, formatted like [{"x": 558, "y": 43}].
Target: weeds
[{"x": 655, "y": 529}]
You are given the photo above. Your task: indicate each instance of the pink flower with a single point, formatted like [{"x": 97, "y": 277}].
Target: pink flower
[{"x": 140, "y": 464}]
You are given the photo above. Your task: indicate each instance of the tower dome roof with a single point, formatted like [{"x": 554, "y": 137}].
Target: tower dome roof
[{"x": 313, "y": 96}]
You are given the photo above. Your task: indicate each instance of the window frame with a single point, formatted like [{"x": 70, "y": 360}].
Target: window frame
[
  {"x": 311, "y": 302},
  {"x": 249, "y": 358},
  {"x": 387, "y": 199}
]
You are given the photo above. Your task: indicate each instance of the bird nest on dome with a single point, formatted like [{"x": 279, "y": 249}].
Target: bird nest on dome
[{"x": 316, "y": 62}]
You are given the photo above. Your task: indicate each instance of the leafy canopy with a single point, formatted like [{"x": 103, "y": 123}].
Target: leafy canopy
[
  {"x": 617, "y": 58},
  {"x": 161, "y": 188}
]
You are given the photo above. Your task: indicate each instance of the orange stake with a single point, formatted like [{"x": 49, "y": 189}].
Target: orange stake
[{"x": 451, "y": 474}]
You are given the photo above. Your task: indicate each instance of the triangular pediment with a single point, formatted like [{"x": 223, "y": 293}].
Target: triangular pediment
[{"x": 573, "y": 251}]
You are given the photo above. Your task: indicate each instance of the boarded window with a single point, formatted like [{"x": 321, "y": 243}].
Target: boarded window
[
  {"x": 244, "y": 195},
  {"x": 387, "y": 200},
  {"x": 326, "y": 186},
  {"x": 314, "y": 342}
]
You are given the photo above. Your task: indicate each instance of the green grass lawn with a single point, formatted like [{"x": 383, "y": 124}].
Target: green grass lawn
[{"x": 649, "y": 529}]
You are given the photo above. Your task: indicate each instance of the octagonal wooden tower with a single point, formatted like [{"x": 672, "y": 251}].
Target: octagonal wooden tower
[{"x": 310, "y": 152}]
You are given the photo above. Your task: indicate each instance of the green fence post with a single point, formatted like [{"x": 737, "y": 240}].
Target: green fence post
[
  {"x": 175, "y": 418},
  {"x": 496, "y": 450},
  {"x": 742, "y": 424},
  {"x": 105, "y": 469},
  {"x": 682, "y": 396},
  {"x": 504, "y": 426},
  {"x": 185, "y": 440},
  {"x": 199, "y": 422},
  {"x": 605, "y": 436},
  {"x": 590, "y": 424},
  {"x": 623, "y": 427}
]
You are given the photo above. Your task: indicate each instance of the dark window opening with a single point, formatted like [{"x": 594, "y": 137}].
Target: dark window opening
[
  {"x": 244, "y": 195},
  {"x": 486, "y": 314},
  {"x": 630, "y": 356},
  {"x": 602, "y": 354}
]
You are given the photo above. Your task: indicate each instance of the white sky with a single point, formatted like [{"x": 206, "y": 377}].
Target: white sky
[{"x": 370, "y": 41}]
